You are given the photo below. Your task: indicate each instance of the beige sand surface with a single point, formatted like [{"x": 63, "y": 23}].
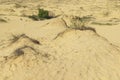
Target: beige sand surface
[{"x": 52, "y": 49}]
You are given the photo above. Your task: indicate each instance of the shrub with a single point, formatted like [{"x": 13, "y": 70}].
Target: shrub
[{"x": 43, "y": 14}]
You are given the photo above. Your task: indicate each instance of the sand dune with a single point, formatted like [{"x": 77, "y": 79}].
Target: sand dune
[
  {"x": 60, "y": 48},
  {"x": 69, "y": 56}
]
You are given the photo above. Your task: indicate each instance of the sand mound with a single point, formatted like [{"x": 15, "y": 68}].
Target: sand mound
[
  {"x": 50, "y": 30},
  {"x": 60, "y": 51},
  {"x": 72, "y": 55},
  {"x": 17, "y": 42},
  {"x": 87, "y": 56}
]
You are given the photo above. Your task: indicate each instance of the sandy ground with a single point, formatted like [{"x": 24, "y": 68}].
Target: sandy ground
[{"x": 51, "y": 49}]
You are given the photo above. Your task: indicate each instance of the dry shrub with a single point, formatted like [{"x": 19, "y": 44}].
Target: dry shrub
[{"x": 80, "y": 23}]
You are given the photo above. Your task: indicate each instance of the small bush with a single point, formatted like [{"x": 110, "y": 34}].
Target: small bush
[{"x": 43, "y": 14}]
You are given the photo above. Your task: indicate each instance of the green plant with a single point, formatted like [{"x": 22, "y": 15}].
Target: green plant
[{"x": 43, "y": 14}]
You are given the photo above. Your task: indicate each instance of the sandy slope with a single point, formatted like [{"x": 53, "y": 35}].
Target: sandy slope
[
  {"x": 49, "y": 50},
  {"x": 69, "y": 56}
]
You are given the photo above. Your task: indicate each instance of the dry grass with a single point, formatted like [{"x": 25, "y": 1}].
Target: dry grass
[
  {"x": 86, "y": 28},
  {"x": 17, "y": 37},
  {"x": 80, "y": 23}
]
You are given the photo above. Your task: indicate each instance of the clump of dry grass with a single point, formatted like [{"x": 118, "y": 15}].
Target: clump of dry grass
[
  {"x": 80, "y": 23},
  {"x": 20, "y": 52},
  {"x": 17, "y": 37},
  {"x": 86, "y": 28}
]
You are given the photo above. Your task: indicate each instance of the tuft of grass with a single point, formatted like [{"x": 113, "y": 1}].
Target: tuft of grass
[{"x": 79, "y": 23}]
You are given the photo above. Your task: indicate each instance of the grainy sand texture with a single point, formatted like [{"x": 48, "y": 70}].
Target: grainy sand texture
[{"x": 80, "y": 40}]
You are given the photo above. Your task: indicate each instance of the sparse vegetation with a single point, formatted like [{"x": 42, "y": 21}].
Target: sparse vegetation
[
  {"x": 87, "y": 28},
  {"x": 42, "y": 14},
  {"x": 17, "y": 37},
  {"x": 80, "y": 23}
]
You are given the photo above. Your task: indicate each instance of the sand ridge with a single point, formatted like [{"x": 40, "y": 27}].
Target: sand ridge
[{"x": 54, "y": 49}]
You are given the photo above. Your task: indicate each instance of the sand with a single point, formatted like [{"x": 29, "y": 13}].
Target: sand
[{"x": 54, "y": 49}]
